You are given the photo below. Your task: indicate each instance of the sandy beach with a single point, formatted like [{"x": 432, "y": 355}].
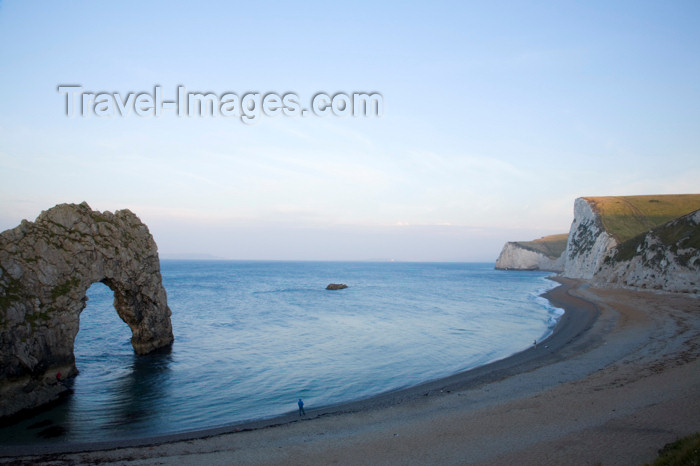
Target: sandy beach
[{"x": 618, "y": 379}]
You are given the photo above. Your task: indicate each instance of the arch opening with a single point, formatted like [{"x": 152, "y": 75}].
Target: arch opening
[
  {"x": 102, "y": 332},
  {"x": 113, "y": 386}
]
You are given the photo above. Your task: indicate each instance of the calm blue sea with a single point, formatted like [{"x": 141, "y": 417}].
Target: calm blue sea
[{"x": 253, "y": 337}]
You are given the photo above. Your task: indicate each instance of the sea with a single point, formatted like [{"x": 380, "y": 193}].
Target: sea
[{"x": 251, "y": 338}]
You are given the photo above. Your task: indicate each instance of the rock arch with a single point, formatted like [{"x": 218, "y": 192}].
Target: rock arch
[{"x": 46, "y": 267}]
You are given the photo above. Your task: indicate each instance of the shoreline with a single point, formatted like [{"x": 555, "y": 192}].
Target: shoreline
[
  {"x": 575, "y": 320},
  {"x": 602, "y": 334}
]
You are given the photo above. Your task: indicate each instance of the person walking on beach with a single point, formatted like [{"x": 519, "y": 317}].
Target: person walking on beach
[{"x": 301, "y": 408}]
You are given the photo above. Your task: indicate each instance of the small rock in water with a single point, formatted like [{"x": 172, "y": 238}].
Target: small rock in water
[{"x": 336, "y": 286}]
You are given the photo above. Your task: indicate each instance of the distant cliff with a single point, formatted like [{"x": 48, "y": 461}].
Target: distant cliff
[
  {"x": 541, "y": 254},
  {"x": 630, "y": 241}
]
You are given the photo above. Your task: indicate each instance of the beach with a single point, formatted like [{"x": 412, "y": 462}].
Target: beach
[{"x": 618, "y": 379}]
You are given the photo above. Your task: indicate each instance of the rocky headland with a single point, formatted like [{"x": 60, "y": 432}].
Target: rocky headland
[
  {"x": 546, "y": 253},
  {"x": 664, "y": 258},
  {"x": 640, "y": 242},
  {"x": 46, "y": 267}
]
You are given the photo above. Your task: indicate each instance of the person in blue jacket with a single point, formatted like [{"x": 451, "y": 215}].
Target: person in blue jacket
[{"x": 301, "y": 408}]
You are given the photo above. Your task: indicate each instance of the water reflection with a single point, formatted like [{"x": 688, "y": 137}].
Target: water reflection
[{"x": 136, "y": 395}]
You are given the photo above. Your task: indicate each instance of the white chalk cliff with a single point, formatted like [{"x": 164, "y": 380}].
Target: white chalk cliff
[
  {"x": 588, "y": 242},
  {"x": 666, "y": 257},
  {"x": 515, "y": 256}
]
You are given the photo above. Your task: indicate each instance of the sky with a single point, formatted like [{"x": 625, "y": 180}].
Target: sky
[{"x": 496, "y": 116}]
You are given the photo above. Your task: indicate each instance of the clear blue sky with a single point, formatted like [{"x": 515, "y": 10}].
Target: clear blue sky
[{"x": 497, "y": 116}]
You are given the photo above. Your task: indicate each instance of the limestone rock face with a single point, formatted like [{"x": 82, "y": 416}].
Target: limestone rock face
[
  {"x": 46, "y": 268},
  {"x": 588, "y": 242}
]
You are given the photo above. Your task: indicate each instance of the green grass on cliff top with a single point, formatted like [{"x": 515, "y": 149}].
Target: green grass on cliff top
[
  {"x": 678, "y": 234},
  {"x": 551, "y": 246},
  {"x": 625, "y": 217}
]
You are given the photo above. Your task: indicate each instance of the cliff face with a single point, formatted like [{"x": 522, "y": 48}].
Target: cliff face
[
  {"x": 46, "y": 267},
  {"x": 628, "y": 241},
  {"x": 588, "y": 242},
  {"x": 514, "y": 256},
  {"x": 665, "y": 258},
  {"x": 631, "y": 241}
]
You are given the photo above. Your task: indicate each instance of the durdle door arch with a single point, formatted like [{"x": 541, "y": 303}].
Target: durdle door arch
[{"x": 46, "y": 268}]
